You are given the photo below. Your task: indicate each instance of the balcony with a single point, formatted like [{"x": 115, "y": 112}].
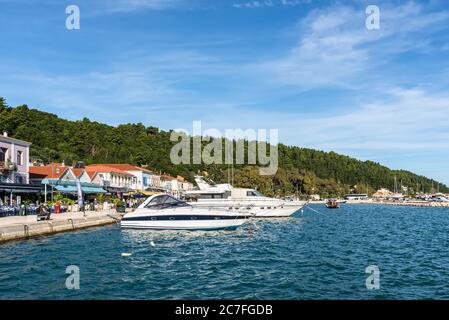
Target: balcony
[{"x": 7, "y": 166}]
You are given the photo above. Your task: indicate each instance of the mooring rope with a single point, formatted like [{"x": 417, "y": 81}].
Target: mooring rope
[{"x": 314, "y": 210}]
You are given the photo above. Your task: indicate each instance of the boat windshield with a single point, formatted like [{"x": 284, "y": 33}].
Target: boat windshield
[
  {"x": 254, "y": 193},
  {"x": 165, "y": 201}
]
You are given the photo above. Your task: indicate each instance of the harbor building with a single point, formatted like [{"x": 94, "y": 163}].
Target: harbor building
[
  {"x": 356, "y": 197},
  {"x": 14, "y": 155},
  {"x": 14, "y": 164},
  {"x": 170, "y": 184},
  {"x": 59, "y": 178},
  {"x": 143, "y": 179},
  {"x": 382, "y": 193},
  {"x": 176, "y": 186},
  {"x": 113, "y": 180}
]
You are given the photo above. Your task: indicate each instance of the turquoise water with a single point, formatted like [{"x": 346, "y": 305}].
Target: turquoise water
[{"x": 309, "y": 256}]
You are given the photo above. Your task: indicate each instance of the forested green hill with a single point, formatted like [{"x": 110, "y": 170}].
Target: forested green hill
[{"x": 304, "y": 171}]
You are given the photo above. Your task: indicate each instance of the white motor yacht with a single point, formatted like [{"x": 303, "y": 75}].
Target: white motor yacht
[
  {"x": 165, "y": 212},
  {"x": 234, "y": 199}
]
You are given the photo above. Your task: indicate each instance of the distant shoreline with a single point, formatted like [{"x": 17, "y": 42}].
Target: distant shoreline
[{"x": 397, "y": 203}]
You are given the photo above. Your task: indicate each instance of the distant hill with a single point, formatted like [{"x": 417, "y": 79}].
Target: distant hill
[{"x": 301, "y": 170}]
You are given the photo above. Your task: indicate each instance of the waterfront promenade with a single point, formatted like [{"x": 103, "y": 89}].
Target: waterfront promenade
[{"x": 23, "y": 227}]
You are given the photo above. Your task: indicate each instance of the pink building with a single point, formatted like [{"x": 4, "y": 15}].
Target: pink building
[{"x": 14, "y": 160}]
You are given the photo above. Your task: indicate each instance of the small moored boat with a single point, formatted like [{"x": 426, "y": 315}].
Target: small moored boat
[
  {"x": 332, "y": 204},
  {"x": 165, "y": 212}
]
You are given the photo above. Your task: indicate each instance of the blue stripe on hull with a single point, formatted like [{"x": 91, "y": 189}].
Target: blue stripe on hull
[
  {"x": 186, "y": 229},
  {"x": 183, "y": 217}
]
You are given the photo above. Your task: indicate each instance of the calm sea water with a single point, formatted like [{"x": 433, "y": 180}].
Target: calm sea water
[{"x": 310, "y": 256}]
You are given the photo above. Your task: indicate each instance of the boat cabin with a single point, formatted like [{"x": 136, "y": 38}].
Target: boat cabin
[{"x": 162, "y": 201}]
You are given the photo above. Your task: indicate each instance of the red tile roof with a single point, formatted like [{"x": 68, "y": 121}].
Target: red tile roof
[
  {"x": 168, "y": 178},
  {"x": 121, "y": 166},
  {"x": 94, "y": 168},
  {"x": 78, "y": 171},
  {"x": 51, "y": 171},
  {"x": 127, "y": 167},
  {"x": 91, "y": 173}
]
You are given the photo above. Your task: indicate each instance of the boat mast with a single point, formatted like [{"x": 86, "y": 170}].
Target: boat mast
[{"x": 395, "y": 185}]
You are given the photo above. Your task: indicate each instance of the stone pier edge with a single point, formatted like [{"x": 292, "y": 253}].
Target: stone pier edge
[{"x": 45, "y": 228}]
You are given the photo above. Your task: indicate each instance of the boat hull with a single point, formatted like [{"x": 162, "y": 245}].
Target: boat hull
[
  {"x": 282, "y": 212},
  {"x": 257, "y": 211},
  {"x": 184, "y": 222}
]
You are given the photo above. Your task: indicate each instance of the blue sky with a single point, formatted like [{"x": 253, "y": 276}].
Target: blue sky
[{"x": 309, "y": 68}]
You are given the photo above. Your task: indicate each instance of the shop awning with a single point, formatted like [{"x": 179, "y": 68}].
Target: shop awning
[
  {"x": 117, "y": 190},
  {"x": 73, "y": 189},
  {"x": 20, "y": 188},
  {"x": 70, "y": 186}
]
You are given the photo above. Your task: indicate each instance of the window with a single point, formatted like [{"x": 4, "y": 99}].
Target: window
[
  {"x": 19, "y": 158},
  {"x": 253, "y": 193},
  {"x": 3, "y": 152},
  {"x": 212, "y": 196},
  {"x": 19, "y": 179},
  {"x": 145, "y": 181}
]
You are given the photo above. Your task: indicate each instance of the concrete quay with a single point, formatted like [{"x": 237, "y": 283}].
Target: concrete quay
[{"x": 25, "y": 227}]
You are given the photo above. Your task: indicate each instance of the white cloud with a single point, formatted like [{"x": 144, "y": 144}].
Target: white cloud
[
  {"x": 335, "y": 48},
  {"x": 409, "y": 119},
  {"x": 136, "y": 87}
]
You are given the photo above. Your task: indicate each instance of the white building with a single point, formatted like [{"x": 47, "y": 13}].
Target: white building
[
  {"x": 356, "y": 197},
  {"x": 142, "y": 178},
  {"x": 112, "y": 179}
]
